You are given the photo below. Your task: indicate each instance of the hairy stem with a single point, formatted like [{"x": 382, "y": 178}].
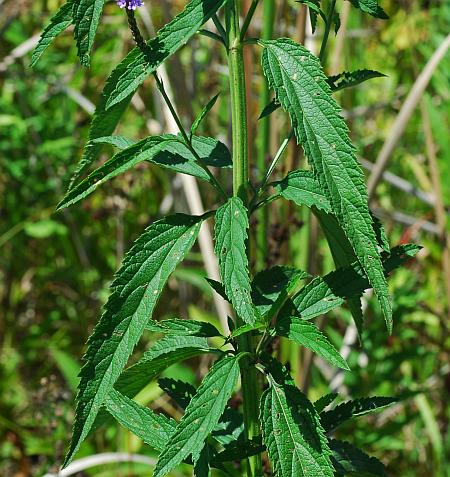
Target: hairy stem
[{"x": 250, "y": 388}]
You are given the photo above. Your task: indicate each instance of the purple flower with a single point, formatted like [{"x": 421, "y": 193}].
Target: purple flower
[{"x": 130, "y": 4}]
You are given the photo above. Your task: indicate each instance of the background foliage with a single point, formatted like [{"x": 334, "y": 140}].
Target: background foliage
[{"x": 55, "y": 268}]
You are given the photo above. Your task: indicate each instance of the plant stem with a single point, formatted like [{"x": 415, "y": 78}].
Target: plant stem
[
  {"x": 326, "y": 33},
  {"x": 238, "y": 102},
  {"x": 250, "y": 388}
]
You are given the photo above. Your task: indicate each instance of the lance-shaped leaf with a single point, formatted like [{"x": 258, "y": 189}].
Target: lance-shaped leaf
[
  {"x": 154, "y": 429},
  {"x": 269, "y": 109},
  {"x": 179, "y": 391},
  {"x": 218, "y": 288},
  {"x": 134, "y": 69},
  {"x": 371, "y": 7},
  {"x": 239, "y": 450},
  {"x": 302, "y": 188},
  {"x": 343, "y": 257},
  {"x": 167, "y": 41},
  {"x": 203, "y": 113},
  {"x": 300, "y": 86},
  {"x": 58, "y": 23},
  {"x": 180, "y": 327},
  {"x": 230, "y": 247},
  {"x": 272, "y": 287},
  {"x": 293, "y": 434},
  {"x": 350, "y": 409},
  {"x": 201, "y": 415},
  {"x": 120, "y": 163},
  {"x": 166, "y": 151},
  {"x": 348, "y": 79},
  {"x": 307, "y": 334},
  {"x": 325, "y": 293},
  {"x": 86, "y": 16},
  {"x": 163, "y": 354},
  {"x": 314, "y": 11},
  {"x": 231, "y": 425},
  {"x": 121, "y": 142},
  {"x": 135, "y": 292},
  {"x": 349, "y": 460},
  {"x": 201, "y": 464},
  {"x": 324, "y": 401}
]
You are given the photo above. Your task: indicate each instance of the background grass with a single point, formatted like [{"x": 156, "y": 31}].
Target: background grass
[{"x": 55, "y": 268}]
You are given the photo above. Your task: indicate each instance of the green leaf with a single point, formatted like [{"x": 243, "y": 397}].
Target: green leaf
[
  {"x": 179, "y": 391},
  {"x": 118, "y": 164},
  {"x": 300, "y": 86},
  {"x": 302, "y": 188},
  {"x": 135, "y": 292},
  {"x": 183, "y": 328},
  {"x": 86, "y": 16},
  {"x": 168, "y": 40},
  {"x": 371, "y": 7},
  {"x": 337, "y": 22},
  {"x": 240, "y": 450},
  {"x": 133, "y": 70},
  {"x": 246, "y": 329},
  {"x": 382, "y": 239},
  {"x": 325, "y": 293},
  {"x": 218, "y": 288},
  {"x": 230, "y": 247},
  {"x": 45, "y": 228},
  {"x": 269, "y": 109},
  {"x": 332, "y": 419},
  {"x": 348, "y": 79},
  {"x": 154, "y": 429},
  {"x": 272, "y": 287},
  {"x": 349, "y": 460},
  {"x": 307, "y": 334},
  {"x": 343, "y": 257},
  {"x": 120, "y": 142},
  {"x": 293, "y": 434},
  {"x": 203, "y": 113},
  {"x": 166, "y": 151},
  {"x": 67, "y": 365},
  {"x": 58, "y": 23},
  {"x": 201, "y": 465},
  {"x": 201, "y": 415},
  {"x": 165, "y": 352},
  {"x": 231, "y": 425},
  {"x": 314, "y": 11},
  {"x": 324, "y": 401},
  {"x": 230, "y": 428}
]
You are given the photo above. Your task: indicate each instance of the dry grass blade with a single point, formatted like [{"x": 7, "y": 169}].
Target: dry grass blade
[{"x": 404, "y": 115}]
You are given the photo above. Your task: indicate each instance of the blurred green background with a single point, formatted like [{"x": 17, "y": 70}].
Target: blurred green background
[{"x": 55, "y": 268}]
